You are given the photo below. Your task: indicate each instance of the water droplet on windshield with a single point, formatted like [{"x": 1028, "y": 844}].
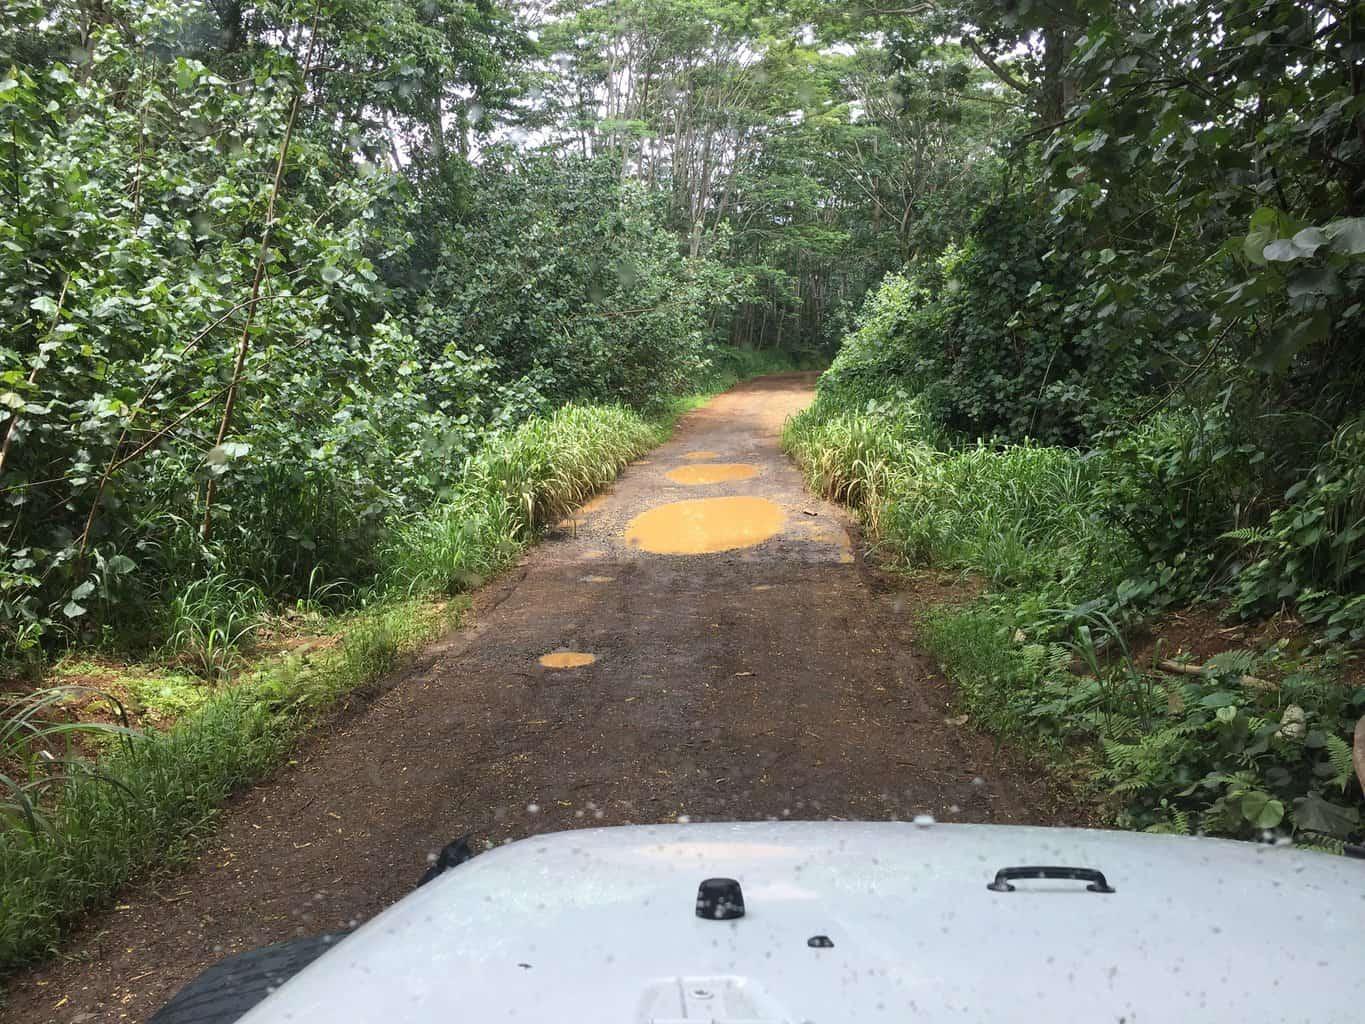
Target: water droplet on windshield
[
  {"x": 533, "y": 808},
  {"x": 923, "y": 820}
]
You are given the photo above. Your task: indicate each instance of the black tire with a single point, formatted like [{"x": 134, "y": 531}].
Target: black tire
[{"x": 225, "y": 991}]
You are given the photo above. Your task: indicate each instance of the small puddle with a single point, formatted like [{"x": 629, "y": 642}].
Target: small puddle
[
  {"x": 834, "y": 537},
  {"x": 712, "y": 473},
  {"x": 567, "y": 659},
  {"x": 705, "y": 525},
  {"x": 593, "y": 504},
  {"x": 596, "y": 579},
  {"x": 700, "y": 456}
]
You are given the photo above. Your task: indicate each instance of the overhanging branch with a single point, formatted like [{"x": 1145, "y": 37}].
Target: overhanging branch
[{"x": 995, "y": 68}]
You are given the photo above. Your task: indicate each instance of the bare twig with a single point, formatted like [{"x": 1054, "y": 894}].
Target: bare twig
[
  {"x": 244, "y": 344},
  {"x": 1250, "y": 682},
  {"x": 996, "y": 69}
]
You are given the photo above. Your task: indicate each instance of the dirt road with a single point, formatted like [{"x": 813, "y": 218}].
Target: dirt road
[{"x": 770, "y": 675}]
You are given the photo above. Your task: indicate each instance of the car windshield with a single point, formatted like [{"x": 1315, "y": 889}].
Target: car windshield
[{"x": 663, "y": 510}]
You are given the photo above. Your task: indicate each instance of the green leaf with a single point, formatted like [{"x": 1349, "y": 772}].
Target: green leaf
[
  {"x": 1282, "y": 250},
  {"x": 1315, "y": 814},
  {"x": 1219, "y": 699},
  {"x": 1290, "y": 339},
  {"x": 1310, "y": 240},
  {"x": 1347, "y": 236},
  {"x": 331, "y": 274},
  {"x": 1313, "y": 281},
  {"x": 73, "y": 610},
  {"x": 1262, "y": 810},
  {"x": 219, "y": 454},
  {"x": 43, "y": 304},
  {"x": 121, "y": 565},
  {"x": 83, "y": 591}
]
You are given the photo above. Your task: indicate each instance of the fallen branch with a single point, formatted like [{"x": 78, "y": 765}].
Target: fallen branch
[{"x": 1250, "y": 682}]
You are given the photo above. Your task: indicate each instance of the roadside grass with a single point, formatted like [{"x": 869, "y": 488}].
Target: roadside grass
[
  {"x": 152, "y": 797},
  {"x": 542, "y": 469},
  {"x": 1254, "y": 739},
  {"x": 1016, "y": 515},
  {"x": 149, "y": 799}
]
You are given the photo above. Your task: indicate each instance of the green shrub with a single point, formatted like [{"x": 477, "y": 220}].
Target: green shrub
[
  {"x": 995, "y": 338},
  {"x": 529, "y": 478},
  {"x": 1016, "y": 513},
  {"x": 1311, "y": 553},
  {"x": 1211, "y": 753}
]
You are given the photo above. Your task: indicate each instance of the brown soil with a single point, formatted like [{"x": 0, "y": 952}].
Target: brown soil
[{"x": 779, "y": 680}]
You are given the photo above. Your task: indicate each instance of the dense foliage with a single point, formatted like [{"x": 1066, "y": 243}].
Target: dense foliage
[
  {"x": 1134, "y": 381},
  {"x": 240, "y": 341}
]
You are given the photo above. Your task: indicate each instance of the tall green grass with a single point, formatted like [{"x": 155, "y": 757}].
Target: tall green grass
[
  {"x": 155, "y": 796},
  {"x": 1042, "y": 656},
  {"x": 1016, "y": 514},
  {"x": 539, "y": 471}
]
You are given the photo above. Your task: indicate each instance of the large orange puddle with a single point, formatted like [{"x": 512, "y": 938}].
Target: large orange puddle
[
  {"x": 567, "y": 659},
  {"x": 712, "y": 473},
  {"x": 705, "y": 525}
]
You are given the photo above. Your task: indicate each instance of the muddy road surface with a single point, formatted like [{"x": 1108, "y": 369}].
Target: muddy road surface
[{"x": 702, "y": 641}]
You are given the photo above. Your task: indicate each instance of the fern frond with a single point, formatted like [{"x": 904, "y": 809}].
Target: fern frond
[
  {"x": 1230, "y": 663},
  {"x": 1249, "y": 535},
  {"x": 1321, "y": 843},
  {"x": 1339, "y": 753}
]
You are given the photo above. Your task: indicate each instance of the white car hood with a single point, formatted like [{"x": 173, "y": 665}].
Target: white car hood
[{"x": 599, "y": 926}]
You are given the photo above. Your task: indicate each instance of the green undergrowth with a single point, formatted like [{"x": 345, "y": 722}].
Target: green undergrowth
[
  {"x": 156, "y": 794},
  {"x": 152, "y": 796},
  {"x": 1017, "y": 514},
  {"x": 1258, "y": 740}
]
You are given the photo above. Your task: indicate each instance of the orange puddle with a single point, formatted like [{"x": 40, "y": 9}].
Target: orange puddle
[
  {"x": 567, "y": 659},
  {"x": 700, "y": 456},
  {"x": 712, "y": 473},
  {"x": 596, "y": 579},
  {"x": 705, "y": 525},
  {"x": 593, "y": 505}
]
